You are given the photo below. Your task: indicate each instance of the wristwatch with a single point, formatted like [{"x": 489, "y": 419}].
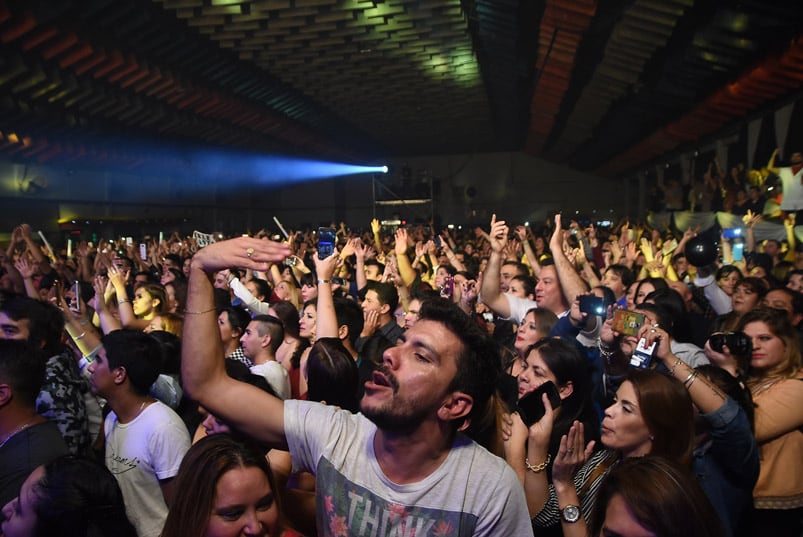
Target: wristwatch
[{"x": 570, "y": 513}]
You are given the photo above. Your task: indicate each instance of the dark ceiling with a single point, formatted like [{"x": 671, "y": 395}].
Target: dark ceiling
[{"x": 603, "y": 86}]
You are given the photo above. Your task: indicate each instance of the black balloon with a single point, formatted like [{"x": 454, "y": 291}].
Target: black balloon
[{"x": 701, "y": 251}]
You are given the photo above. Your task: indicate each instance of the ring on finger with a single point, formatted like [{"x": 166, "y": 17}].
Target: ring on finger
[{"x": 249, "y": 252}]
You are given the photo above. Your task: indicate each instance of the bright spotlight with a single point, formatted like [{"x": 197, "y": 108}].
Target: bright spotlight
[{"x": 384, "y": 169}]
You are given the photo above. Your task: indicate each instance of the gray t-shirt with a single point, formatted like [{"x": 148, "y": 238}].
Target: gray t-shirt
[{"x": 472, "y": 493}]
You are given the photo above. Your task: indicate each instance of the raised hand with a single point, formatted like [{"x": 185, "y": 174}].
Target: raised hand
[
  {"x": 400, "y": 246},
  {"x": 241, "y": 252},
  {"x": 498, "y": 235},
  {"x": 556, "y": 241},
  {"x": 572, "y": 454},
  {"x": 25, "y": 269}
]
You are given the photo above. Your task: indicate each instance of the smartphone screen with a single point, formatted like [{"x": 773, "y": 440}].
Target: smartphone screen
[
  {"x": 326, "y": 242},
  {"x": 627, "y": 322},
  {"x": 738, "y": 251},
  {"x": 593, "y": 305},
  {"x": 76, "y": 303},
  {"x": 531, "y": 407}
]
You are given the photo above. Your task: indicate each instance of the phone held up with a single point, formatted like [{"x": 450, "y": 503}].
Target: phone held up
[
  {"x": 592, "y": 305},
  {"x": 326, "y": 242},
  {"x": 531, "y": 407},
  {"x": 629, "y": 323}
]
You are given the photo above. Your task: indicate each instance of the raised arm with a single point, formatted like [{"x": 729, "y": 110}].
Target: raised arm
[
  {"x": 376, "y": 229},
  {"x": 570, "y": 281},
  {"x": 522, "y": 233},
  {"x": 490, "y": 292},
  {"x": 401, "y": 245},
  {"x": 203, "y": 373},
  {"x": 771, "y": 167},
  {"x": 326, "y": 323},
  {"x": 36, "y": 251},
  {"x": 129, "y": 319},
  {"x": 460, "y": 267},
  {"x": 360, "y": 251},
  {"x": 27, "y": 270},
  {"x": 241, "y": 291}
]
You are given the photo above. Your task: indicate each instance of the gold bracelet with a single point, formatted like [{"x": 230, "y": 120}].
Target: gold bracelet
[
  {"x": 678, "y": 361},
  {"x": 199, "y": 312},
  {"x": 538, "y": 468}
]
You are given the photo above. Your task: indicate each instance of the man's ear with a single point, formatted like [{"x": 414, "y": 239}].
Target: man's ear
[
  {"x": 566, "y": 390},
  {"x": 266, "y": 340},
  {"x": 120, "y": 375},
  {"x": 456, "y": 405},
  {"x": 6, "y": 394},
  {"x": 342, "y": 332},
  {"x": 385, "y": 308}
]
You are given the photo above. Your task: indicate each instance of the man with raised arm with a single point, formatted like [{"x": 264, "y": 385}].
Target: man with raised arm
[
  {"x": 549, "y": 293},
  {"x": 400, "y": 467}
]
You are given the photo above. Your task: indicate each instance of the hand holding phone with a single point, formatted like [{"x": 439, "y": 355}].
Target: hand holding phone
[
  {"x": 531, "y": 406},
  {"x": 326, "y": 242},
  {"x": 592, "y": 305},
  {"x": 75, "y": 305},
  {"x": 627, "y": 322}
]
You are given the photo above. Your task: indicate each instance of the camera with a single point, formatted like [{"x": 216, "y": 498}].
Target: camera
[{"x": 738, "y": 342}]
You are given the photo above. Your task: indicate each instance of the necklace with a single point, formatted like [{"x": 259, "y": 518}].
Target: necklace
[{"x": 13, "y": 433}]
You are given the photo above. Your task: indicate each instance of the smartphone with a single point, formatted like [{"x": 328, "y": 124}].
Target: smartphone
[
  {"x": 531, "y": 407},
  {"x": 326, "y": 242},
  {"x": 447, "y": 289},
  {"x": 627, "y": 322},
  {"x": 593, "y": 305},
  {"x": 338, "y": 281},
  {"x": 738, "y": 251},
  {"x": 76, "y": 303},
  {"x": 143, "y": 251},
  {"x": 642, "y": 356},
  {"x": 732, "y": 232},
  {"x": 438, "y": 242}
]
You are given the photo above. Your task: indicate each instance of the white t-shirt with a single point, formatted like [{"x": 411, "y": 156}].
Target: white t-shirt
[
  {"x": 792, "y": 189},
  {"x": 473, "y": 493},
  {"x": 139, "y": 454},
  {"x": 276, "y": 375}
]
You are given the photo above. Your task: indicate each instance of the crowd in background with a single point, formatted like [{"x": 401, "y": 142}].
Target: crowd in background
[{"x": 685, "y": 412}]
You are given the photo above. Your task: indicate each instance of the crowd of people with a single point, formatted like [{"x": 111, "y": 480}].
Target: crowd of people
[{"x": 568, "y": 380}]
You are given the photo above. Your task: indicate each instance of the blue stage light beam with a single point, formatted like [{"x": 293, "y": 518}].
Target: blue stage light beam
[{"x": 273, "y": 170}]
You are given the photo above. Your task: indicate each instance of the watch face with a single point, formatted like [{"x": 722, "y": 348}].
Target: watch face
[{"x": 571, "y": 513}]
